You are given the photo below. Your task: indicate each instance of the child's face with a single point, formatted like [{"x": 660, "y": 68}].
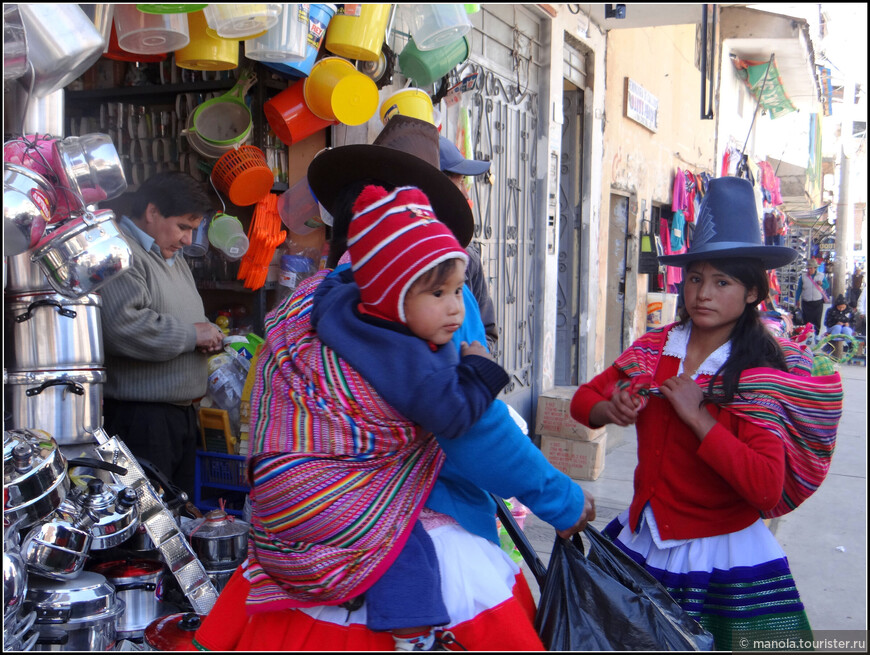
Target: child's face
[
  {"x": 435, "y": 312},
  {"x": 714, "y": 299}
]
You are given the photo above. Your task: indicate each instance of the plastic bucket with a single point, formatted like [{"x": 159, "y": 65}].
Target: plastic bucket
[
  {"x": 289, "y": 116},
  {"x": 357, "y": 32},
  {"x": 411, "y": 102},
  {"x": 227, "y": 234},
  {"x": 286, "y": 41},
  {"x": 319, "y": 17},
  {"x": 150, "y": 34},
  {"x": 436, "y": 25},
  {"x": 115, "y": 52},
  {"x": 169, "y": 9},
  {"x": 335, "y": 90},
  {"x": 425, "y": 67},
  {"x": 298, "y": 208},
  {"x": 206, "y": 52},
  {"x": 237, "y": 21}
]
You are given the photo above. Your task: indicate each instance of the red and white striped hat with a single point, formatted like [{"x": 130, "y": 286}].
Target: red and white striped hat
[{"x": 393, "y": 239}]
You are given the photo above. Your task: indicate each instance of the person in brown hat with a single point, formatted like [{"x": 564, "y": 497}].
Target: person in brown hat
[
  {"x": 812, "y": 292},
  {"x": 482, "y": 588}
]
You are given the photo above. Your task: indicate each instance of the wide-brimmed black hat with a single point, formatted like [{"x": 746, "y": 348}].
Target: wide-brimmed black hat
[
  {"x": 727, "y": 227},
  {"x": 405, "y": 153}
]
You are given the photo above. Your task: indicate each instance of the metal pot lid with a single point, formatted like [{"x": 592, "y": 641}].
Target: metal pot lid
[
  {"x": 32, "y": 466},
  {"x": 87, "y": 596},
  {"x": 217, "y": 524},
  {"x": 130, "y": 569},
  {"x": 173, "y": 632}
]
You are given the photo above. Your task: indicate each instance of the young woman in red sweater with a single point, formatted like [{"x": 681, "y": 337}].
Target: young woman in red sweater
[{"x": 712, "y": 397}]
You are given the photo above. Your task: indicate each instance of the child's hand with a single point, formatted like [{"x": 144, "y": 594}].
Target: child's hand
[
  {"x": 474, "y": 348},
  {"x": 687, "y": 397},
  {"x": 621, "y": 409}
]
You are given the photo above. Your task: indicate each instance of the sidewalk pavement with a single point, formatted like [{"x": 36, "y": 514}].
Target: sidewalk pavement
[{"x": 825, "y": 539}]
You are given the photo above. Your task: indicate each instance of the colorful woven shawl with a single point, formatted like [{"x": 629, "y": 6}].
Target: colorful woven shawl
[
  {"x": 338, "y": 477},
  {"x": 801, "y": 410}
]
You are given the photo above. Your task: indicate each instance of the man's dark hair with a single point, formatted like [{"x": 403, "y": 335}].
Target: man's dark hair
[{"x": 173, "y": 193}]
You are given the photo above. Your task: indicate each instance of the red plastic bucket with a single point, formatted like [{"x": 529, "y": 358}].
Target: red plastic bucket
[{"x": 290, "y": 117}]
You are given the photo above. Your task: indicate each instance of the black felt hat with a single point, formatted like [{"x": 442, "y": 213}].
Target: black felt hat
[
  {"x": 405, "y": 153},
  {"x": 727, "y": 226}
]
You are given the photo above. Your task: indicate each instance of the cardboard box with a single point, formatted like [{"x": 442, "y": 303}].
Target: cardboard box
[
  {"x": 661, "y": 309},
  {"x": 579, "y": 460},
  {"x": 553, "y": 417}
]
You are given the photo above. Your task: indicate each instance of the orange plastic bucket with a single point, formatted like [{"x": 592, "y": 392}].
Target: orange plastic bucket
[
  {"x": 336, "y": 91},
  {"x": 412, "y": 102},
  {"x": 357, "y": 31},
  {"x": 289, "y": 116},
  {"x": 243, "y": 175}
]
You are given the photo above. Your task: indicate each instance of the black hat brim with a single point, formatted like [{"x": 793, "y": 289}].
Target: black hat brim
[
  {"x": 334, "y": 169},
  {"x": 770, "y": 256}
]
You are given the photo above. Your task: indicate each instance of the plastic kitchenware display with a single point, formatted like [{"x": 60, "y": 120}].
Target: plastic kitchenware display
[
  {"x": 102, "y": 16},
  {"x": 236, "y": 21},
  {"x": 358, "y": 31},
  {"x": 319, "y": 17},
  {"x": 14, "y": 43},
  {"x": 286, "y": 41},
  {"x": 225, "y": 120},
  {"x": 149, "y": 34},
  {"x": 411, "y": 102},
  {"x": 227, "y": 234},
  {"x": 436, "y": 25},
  {"x": 205, "y": 51},
  {"x": 426, "y": 67},
  {"x": 243, "y": 175},
  {"x": 62, "y": 43},
  {"x": 335, "y": 90},
  {"x": 289, "y": 116}
]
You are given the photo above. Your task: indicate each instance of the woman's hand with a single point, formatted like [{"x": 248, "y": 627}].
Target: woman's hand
[
  {"x": 687, "y": 398},
  {"x": 587, "y": 515},
  {"x": 621, "y": 409}
]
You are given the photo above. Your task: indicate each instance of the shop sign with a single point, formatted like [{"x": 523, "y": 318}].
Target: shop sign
[
  {"x": 641, "y": 106},
  {"x": 827, "y": 244}
]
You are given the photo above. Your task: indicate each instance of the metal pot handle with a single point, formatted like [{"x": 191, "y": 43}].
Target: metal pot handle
[
  {"x": 53, "y": 641},
  {"x": 147, "y": 586},
  {"x": 53, "y": 616},
  {"x": 77, "y": 389},
  {"x": 92, "y": 462},
  {"x": 43, "y": 303}
]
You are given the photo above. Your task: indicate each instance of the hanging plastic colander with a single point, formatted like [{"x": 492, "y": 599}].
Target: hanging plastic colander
[
  {"x": 243, "y": 175},
  {"x": 225, "y": 120}
]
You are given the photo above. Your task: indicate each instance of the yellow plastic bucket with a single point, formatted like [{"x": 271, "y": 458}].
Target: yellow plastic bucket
[
  {"x": 412, "y": 102},
  {"x": 206, "y": 52},
  {"x": 336, "y": 91},
  {"x": 357, "y": 31}
]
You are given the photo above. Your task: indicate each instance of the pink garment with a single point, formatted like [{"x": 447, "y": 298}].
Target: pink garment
[{"x": 680, "y": 200}]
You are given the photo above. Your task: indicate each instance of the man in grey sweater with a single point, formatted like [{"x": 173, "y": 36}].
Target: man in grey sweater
[{"x": 155, "y": 332}]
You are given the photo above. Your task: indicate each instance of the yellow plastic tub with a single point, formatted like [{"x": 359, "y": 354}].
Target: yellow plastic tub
[
  {"x": 335, "y": 90},
  {"x": 357, "y": 32},
  {"x": 412, "y": 102},
  {"x": 206, "y": 52}
]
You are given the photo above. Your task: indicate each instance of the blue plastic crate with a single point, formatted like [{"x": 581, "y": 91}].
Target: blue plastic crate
[{"x": 220, "y": 469}]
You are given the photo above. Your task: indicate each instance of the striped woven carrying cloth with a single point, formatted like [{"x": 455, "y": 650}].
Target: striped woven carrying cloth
[
  {"x": 801, "y": 410},
  {"x": 338, "y": 477}
]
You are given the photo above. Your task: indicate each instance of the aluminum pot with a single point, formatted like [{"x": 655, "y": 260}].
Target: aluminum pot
[
  {"x": 139, "y": 583},
  {"x": 35, "y": 482},
  {"x": 28, "y": 203},
  {"x": 115, "y": 510},
  {"x": 83, "y": 254},
  {"x": 67, "y": 404},
  {"x": 25, "y": 276},
  {"x": 62, "y": 44},
  {"x": 89, "y": 165},
  {"x": 219, "y": 542},
  {"x": 14, "y": 581},
  {"x": 58, "y": 548},
  {"x": 78, "y": 614},
  {"x": 50, "y": 332}
]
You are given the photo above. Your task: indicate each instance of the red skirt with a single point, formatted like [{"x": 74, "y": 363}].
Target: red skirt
[{"x": 489, "y": 601}]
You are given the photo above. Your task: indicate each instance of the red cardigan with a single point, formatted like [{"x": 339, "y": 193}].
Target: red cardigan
[{"x": 695, "y": 488}]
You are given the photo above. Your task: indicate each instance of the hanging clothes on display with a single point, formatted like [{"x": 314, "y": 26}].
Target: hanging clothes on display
[
  {"x": 770, "y": 184},
  {"x": 680, "y": 200},
  {"x": 692, "y": 201},
  {"x": 674, "y": 243}
]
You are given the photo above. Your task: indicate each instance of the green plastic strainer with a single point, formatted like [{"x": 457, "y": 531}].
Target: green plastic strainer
[
  {"x": 225, "y": 120},
  {"x": 168, "y": 9}
]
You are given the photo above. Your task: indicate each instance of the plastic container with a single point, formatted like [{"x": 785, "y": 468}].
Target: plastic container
[
  {"x": 319, "y": 17},
  {"x": 294, "y": 269},
  {"x": 358, "y": 31},
  {"x": 115, "y": 52},
  {"x": 436, "y": 25},
  {"x": 199, "y": 242},
  {"x": 286, "y": 41},
  {"x": 150, "y": 34},
  {"x": 206, "y": 52},
  {"x": 243, "y": 175},
  {"x": 237, "y": 21},
  {"x": 336, "y": 91},
  {"x": 426, "y": 67},
  {"x": 227, "y": 234},
  {"x": 411, "y": 102},
  {"x": 289, "y": 116},
  {"x": 298, "y": 208}
]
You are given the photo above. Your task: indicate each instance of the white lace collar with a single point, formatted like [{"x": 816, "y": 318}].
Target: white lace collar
[{"x": 678, "y": 340}]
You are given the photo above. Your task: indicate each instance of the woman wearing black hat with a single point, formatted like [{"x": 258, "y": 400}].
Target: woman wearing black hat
[
  {"x": 484, "y": 591},
  {"x": 723, "y": 439}
]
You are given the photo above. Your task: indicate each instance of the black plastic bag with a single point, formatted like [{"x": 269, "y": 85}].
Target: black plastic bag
[{"x": 606, "y": 601}]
